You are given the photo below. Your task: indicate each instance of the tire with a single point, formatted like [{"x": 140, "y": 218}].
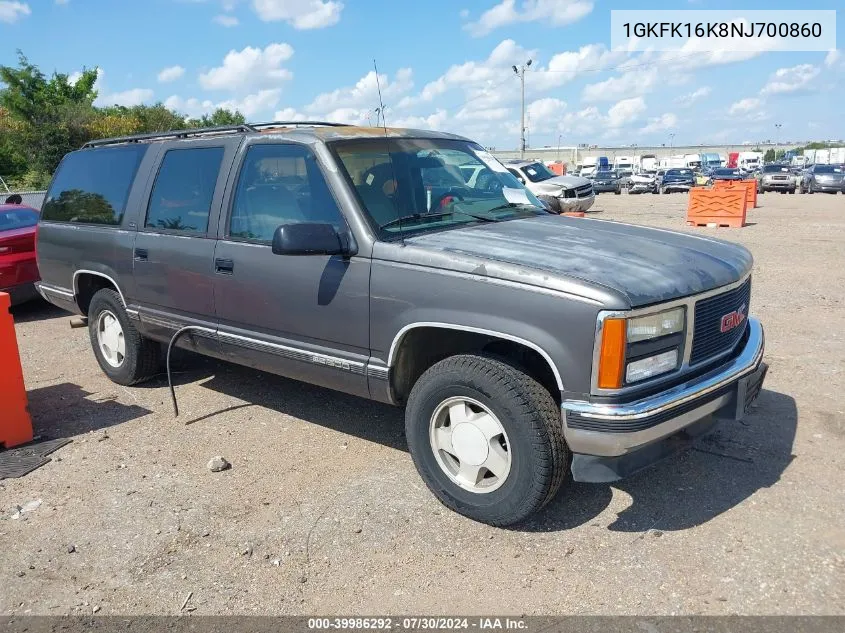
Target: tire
[
  {"x": 554, "y": 203},
  {"x": 618, "y": 192},
  {"x": 664, "y": 190},
  {"x": 810, "y": 188},
  {"x": 532, "y": 431},
  {"x": 141, "y": 358},
  {"x": 792, "y": 191}
]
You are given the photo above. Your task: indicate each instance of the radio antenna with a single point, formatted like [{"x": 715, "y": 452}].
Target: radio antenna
[
  {"x": 399, "y": 212},
  {"x": 380, "y": 102}
]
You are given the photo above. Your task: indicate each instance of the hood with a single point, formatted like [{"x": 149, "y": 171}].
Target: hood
[
  {"x": 561, "y": 182},
  {"x": 679, "y": 177},
  {"x": 642, "y": 265}
]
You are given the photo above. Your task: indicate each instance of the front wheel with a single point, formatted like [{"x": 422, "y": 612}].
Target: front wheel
[
  {"x": 554, "y": 203},
  {"x": 123, "y": 354},
  {"x": 810, "y": 187},
  {"x": 486, "y": 438}
]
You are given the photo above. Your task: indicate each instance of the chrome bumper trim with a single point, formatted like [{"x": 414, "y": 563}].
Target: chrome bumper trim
[{"x": 604, "y": 443}]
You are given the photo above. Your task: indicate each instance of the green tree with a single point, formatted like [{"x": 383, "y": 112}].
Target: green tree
[
  {"x": 769, "y": 156},
  {"x": 218, "y": 118},
  {"x": 54, "y": 112}
]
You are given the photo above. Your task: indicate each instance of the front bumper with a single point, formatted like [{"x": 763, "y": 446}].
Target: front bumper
[
  {"x": 601, "y": 434},
  {"x": 828, "y": 187},
  {"x": 606, "y": 188},
  {"x": 777, "y": 185},
  {"x": 577, "y": 204},
  {"x": 677, "y": 186}
]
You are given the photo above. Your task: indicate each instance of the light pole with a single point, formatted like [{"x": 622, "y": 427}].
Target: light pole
[
  {"x": 778, "y": 126},
  {"x": 520, "y": 72},
  {"x": 671, "y": 140}
]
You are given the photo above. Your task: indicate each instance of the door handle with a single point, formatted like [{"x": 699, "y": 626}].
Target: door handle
[
  {"x": 141, "y": 254},
  {"x": 224, "y": 266}
]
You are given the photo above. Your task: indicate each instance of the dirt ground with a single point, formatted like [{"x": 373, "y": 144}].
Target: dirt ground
[{"x": 323, "y": 512}]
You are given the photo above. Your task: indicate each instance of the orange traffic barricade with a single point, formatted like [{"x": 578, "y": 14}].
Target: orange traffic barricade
[
  {"x": 15, "y": 423},
  {"x": 749, "y": 186},
  {"x": 719, "y": 207}
]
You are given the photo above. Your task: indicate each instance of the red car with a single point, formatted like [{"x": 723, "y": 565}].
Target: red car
[{"x": 18, "y": 270}]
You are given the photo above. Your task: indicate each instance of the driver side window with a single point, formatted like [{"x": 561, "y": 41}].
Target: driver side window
[{"x": 280, "y": 184}]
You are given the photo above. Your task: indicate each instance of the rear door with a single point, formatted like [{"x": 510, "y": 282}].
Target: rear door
[
  {"x": 306, "y": 317},
  {"x": 173, "y": 256}
]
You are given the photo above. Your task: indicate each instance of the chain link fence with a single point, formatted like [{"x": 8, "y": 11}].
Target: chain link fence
[{"x": 32, "y": 199}]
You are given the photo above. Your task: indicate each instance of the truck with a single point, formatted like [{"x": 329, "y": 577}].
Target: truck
[
  {"x": 711, "y": 161},
  {"x": 750, "y": 161},
  {"x": 624, "y": 164},
  {"x": 733, "y": 160},
  {"x": 589, "y": 166},
  {"x": 675, "y": 161},
  {"x": 693, "y": 161},
  {"x": 648, "y": 162},
  {"x": 810, "y": 155},
  {"x": 527, "y": 349}
]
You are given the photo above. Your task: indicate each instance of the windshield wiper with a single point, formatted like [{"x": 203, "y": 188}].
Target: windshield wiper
[
  {"x": 512, "y": 205},
  {"x": 420, "y": 216}
]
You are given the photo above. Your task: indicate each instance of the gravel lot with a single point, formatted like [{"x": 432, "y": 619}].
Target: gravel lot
[{"x": 323, "y": 512}]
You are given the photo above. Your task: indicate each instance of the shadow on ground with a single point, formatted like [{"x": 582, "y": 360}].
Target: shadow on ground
[
  {"x": 37, "y": 310},
  {"x": 65, "y": 410},
  {"x": 722, "y": 469}
]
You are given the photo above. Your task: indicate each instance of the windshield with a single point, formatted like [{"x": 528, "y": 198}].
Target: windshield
[
  {"x": 679, "y": 172},
  {"x": 17, "y": 219},
  {"x": 537, "y": 172},
  {"x": 725, "y": 172},
  {"x": 828, "y": 169},
  {"x": 775, "y": 169},
  {"x": 606, "y": 174},
  {"x": 431, "y": 184}
]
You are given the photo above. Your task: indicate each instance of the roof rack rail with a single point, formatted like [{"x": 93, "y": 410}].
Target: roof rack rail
[
  {"x": 135, "y": 138},
  {"x": 296, "y": 123}
]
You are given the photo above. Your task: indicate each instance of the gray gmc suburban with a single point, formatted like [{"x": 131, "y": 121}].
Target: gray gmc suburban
[{"x": 412, "y": 268}]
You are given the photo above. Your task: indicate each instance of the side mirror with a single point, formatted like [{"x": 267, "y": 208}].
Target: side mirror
[{"x": 311, "y": 238}]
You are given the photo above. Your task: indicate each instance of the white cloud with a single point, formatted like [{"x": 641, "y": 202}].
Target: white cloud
[
  {"x": 691, "y": 97},
  {"x": 171, "y": 73},
  {"x": 665, "y": 121},
  {"x": 746, "y": 106},
  {"x": 434, "y": 121},
  {"x": 254, "y": 104},
  {"x": 564, "y": 67},
  {"x": 128, "y": 98},
  {"x": 364, "y": 94},
  {"x": 790, "y": 79},
  {"x": 300, "y": 14},
  {"x": 635, "y": 82},
  {"x": 250, "y": 67},
  {"x": 547, "y": 109},
  {"x": 289, "y": 114},
  {"x": 626, "y": 111},
  {"x": 74, "y": 77},
  {"x": 832, "y": 58},
  {"x": 486, "y": 114},
  {"x": 11, "y": 12},
  {"x": 554, "y": 12},
  {"x": 250, "y": 106},
  {"x": 225, "y": 20}
]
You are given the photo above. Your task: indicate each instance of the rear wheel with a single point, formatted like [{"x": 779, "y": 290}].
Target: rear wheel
[
  {"x": 123, "y": 354},
  {"x": 792, "y": 190},
  {"x": 486, "y": 438},
  {"x": 810, "y": 187}
]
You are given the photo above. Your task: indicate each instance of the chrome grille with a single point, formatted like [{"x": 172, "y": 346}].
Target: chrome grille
[
  {"x": 584, "y": 190},
  {"x": 708, "y": 339}
]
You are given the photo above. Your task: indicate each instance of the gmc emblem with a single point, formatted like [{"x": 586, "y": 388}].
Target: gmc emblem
[{"x": 733, "y": 319}]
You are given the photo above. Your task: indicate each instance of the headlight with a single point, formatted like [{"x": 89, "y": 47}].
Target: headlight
[
  {"x": 651, "y": 366},
  {"x": 655, "y": 325},
  {"x": 634, "y": 349},
  {"x": 567, "y": 193}
]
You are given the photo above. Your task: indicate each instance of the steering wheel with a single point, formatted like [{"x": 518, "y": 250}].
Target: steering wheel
[{"x": 446, "y": 198}]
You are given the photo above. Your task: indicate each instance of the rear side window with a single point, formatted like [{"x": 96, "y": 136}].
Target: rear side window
[
  {"x": 92, "y": 186},
  {"x": 184, "y": 188}
]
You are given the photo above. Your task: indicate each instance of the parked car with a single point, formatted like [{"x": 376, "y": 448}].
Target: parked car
[
  {"x": 824, "y": 178},
  {"x": 642, "y": 182},
  {"x": 776, "y": 177},
  {"x": 675, "y": 179},
  {"x": 18, "y": 270},
  {"x": 607, "y": 181},
  {"x": 527, "y": 348},
  {"x": 560, "y": 193},
  {"x": 726, "y": 173}
]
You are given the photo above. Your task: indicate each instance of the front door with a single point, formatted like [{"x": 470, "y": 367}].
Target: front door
[
  {"x": 173, "y": 256},
  {"x": 306, "y": 317}
]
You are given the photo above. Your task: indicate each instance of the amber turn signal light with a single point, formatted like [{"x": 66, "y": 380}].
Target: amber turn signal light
[{"x": 612, "y": 355}]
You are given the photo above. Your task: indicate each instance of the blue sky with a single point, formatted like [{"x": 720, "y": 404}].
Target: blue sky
[{"x": 442, "y": 65}]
